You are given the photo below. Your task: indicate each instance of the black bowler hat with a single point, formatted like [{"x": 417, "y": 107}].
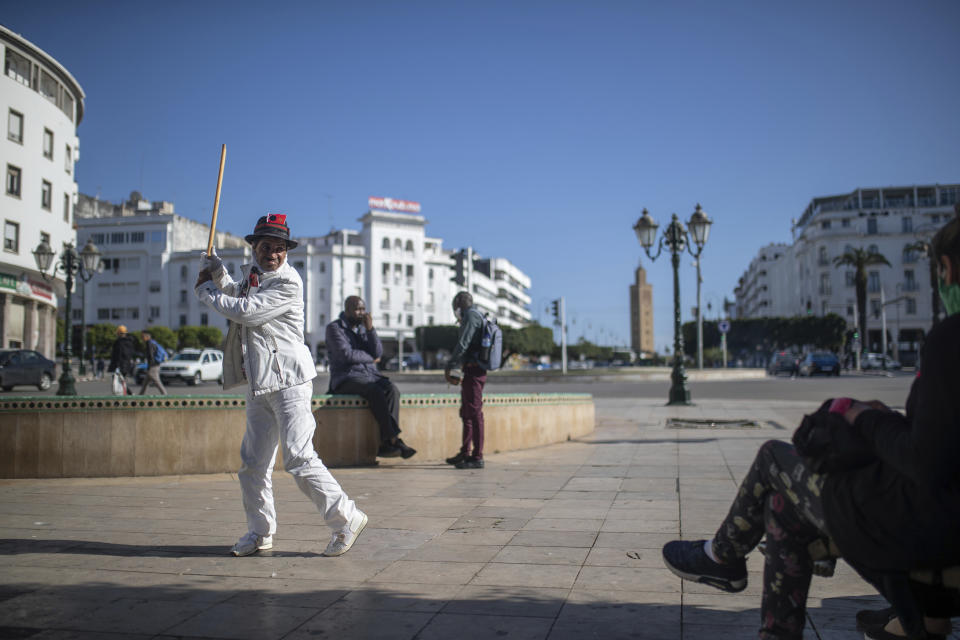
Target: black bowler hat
[{"x": 272, "y": 225}]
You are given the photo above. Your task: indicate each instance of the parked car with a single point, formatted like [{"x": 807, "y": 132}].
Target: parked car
[
  {"x": 193, "y": 366},
  {"x": 411, "y": 362},
  {"x": 25, "y": 367},
  {"x": 879, "y": 361},
  {"x": 784, "y": 362},
  {"x": 820, "y": 362}
]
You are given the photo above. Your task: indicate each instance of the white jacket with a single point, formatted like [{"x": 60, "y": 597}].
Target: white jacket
[{"x": 264, "y": 343}]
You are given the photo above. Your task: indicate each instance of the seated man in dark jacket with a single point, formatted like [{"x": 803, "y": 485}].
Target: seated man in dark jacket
[
  {"x": 895, "y": 510},
  {"x": 354, "y": 350}
]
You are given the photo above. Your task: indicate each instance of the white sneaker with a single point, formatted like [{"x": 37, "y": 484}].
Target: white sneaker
[
  {"x": 250, "y": 543},
  {"x": 342, "y": 540}
]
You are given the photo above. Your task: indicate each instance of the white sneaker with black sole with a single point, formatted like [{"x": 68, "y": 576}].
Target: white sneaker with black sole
[{"x": 250, "y": 543}]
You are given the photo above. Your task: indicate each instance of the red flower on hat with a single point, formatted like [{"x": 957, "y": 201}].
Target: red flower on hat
[{"x": 278, "y": 218}]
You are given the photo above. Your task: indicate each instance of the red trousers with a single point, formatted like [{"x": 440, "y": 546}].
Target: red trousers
[{"x": 471, "y": 409}]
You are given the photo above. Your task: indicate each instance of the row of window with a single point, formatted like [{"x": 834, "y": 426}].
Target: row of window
[
  {"x": 14, "y": 186},
  {"x": 133, "y": 313},
  {"x": 15, "y": 129},
  {"x": 873, "y": 226},
  {"x": 398, "y": 245},
  {"x": 126, "y": 237},
  {"x": 21, "y": 69}
]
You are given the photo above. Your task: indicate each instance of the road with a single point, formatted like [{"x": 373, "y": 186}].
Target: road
[{"x": 892, "y": 390}]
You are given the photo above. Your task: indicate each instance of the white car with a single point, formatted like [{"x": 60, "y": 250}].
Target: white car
[{"x": 194, "y": 366}]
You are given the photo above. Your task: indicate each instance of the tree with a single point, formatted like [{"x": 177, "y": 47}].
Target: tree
[
  {"x": 164, "y": 336},
  {"x": 210, "y": 337},
  {"x": 189, "y": 338},
  {"x": 860, "y": 259},
  {"x": 101, "y": 337},
  {"x": 532, "y": 340}
]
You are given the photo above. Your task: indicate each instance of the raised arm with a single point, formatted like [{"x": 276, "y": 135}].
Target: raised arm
[{"x": 256, "y": 309}]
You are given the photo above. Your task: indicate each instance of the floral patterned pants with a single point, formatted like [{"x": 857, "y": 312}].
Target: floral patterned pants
[{"x": 780, "y": 497}]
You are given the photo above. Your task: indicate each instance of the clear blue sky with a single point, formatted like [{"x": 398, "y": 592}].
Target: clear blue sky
[{"x": 531, "y": 130}]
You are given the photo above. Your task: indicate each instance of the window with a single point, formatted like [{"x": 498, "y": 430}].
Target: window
[
  {"x": 825, "y": 224},
  {"x": 46, "y": 195},
  {"x": 13, "y": 180},
  {"x": 397, "y": 272},
  {"x": 203, "y": 320},
  {"x": 48, "y": 144},
  {"x": 873, "y": 282},
  {"x": 183, "y": 274},
  {"x": 823, "y": 256},
  {"x": 11, "y": 237},
  {"x": 872, "y": 226},
  {"x": 358, "y": 272},
  {"x": 845, "y": 222},
  {"x": 386, "y": 319},
  {"x": 386, "y": 272},
  {"x": 386, "y": 296},
  {"x": 154, "y": 313},
  {"x": 103, "y": 314},
  {"x": 116, "y": 314},
  {"x": 909, "y": 280},
  {"x": 323, "y": 294},
  {"x": 909, "y": 255},
  {"x": 409, "y": 246},
  {"x": 409, "y": 321},
  {"x": 17, "y": 67},
  {"x": 398, "y": 245},
  {"x": 430, "y": 320},
  {"x": 44, "y": 237},
  {"x": 66, "y": 207},
  {"x": 156, "y": 236},
  {"x": 323, "y": 319},
  {"x": 906, "y": 224},
  {"x": 873, "y": 249},
  {"x": 323, "y": 267},
  {"x": 911, "y": 306},
  {"x": 430, "y": 274},
  {"x": 183, "y": 320},
  {"x": 136, "y": 236},
  {"x": 850, "y": 278},
  {"x": 875, "y": 307},
  {"x": 133, "y": 313},
  {"x": 68, "y": 161},
  {"x": 155, "y": 286},
  {"x": 15, "y": 126},
  {"x": 298, "y": 265},
  {"x": 385, "y": 244},
  {"x": 183, "y": 296},
  {"x": 409, "y": 299}
]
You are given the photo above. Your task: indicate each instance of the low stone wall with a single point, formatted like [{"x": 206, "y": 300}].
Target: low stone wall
[{"x": 90, "y": 436}]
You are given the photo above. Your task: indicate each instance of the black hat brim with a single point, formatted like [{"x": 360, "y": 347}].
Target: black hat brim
[{"x": 291, "y": 244}]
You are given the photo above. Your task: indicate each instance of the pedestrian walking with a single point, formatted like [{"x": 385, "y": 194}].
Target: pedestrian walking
[
  {"x": 101, "y": 366},
  {"x": 154, "y": 359},
  {"x": 471, "y": 377},
  {"x": 265, "y": 350},
  {"x": 121, "y": 355}
]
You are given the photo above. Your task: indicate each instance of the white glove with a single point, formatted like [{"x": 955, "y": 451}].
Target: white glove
[{"x": 212, "y": 263}]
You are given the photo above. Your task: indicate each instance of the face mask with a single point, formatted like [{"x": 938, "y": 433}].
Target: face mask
[{"x": 950, "y": 297}]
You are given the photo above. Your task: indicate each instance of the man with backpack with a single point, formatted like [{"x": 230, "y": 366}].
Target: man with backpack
[
  {"x": 155, "y": 355},
  {"x": 474, "y": 358}
]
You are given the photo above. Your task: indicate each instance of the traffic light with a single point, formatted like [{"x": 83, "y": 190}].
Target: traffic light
[
  {"x": 459, "y": 268},
  {"x": 555, "y": 306}
]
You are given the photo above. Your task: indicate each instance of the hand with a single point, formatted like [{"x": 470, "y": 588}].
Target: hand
[
  {"x": 367, "y": 321},
  {"x": 451, "y": 379},
  {"x": 376, "y": 361},
  {"x": 211, "y": 263},
  {"x": 203, "y": 276},
  {"x": 851, "y": 414}
]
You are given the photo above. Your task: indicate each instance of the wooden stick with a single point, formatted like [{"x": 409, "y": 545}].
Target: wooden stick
[{"x": 216, "y": 201}]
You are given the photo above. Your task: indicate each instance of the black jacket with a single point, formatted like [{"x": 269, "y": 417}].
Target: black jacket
[
  {"x": 122, "y": 355},
  {"x": 902, "y": 511}
]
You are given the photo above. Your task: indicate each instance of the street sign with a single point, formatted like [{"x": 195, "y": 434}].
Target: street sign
[{"x": 723, "y": 326}]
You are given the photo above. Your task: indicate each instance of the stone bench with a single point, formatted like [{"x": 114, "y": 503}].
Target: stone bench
[{"x": 99, "y": 436}]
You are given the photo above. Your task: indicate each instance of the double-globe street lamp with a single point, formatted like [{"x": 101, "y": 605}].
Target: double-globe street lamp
[
  {"x": 83, "y": 265},
  {"x": 676, "y": 239}
]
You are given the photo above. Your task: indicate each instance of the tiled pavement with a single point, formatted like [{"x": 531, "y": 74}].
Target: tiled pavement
[{"x": 558, "y": 542}]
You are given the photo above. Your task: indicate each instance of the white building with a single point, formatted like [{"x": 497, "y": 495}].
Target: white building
[
  {"x": 150, "y": 257},
  {"x": 44, "y": 105},
  {"x": 801, "y": 279},
  {"x": 404, "y": 276}
]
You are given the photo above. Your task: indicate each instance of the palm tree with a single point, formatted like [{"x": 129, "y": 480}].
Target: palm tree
[{"x": 860, "y": 259}]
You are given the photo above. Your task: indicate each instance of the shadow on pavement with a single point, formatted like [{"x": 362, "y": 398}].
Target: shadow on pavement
[{"x": 17, "y": 546}]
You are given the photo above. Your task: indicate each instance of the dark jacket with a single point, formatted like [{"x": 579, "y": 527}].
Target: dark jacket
[
  {"x": 902, "y": 511},
  {"x": 351, "y": 353},
  {"x": 468, "y": 342},
  {"x": 152, "y": 353},
  {"x": 121, "y": 357}
]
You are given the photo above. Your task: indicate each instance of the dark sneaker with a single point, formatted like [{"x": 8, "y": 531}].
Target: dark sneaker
[
  {"x": 405, "y": 451},
  {"x": 457, "y": 459},
  {"x": 687, "y": 559},
  {"x": 873, "y": 619},
  {"x": 388, "y": 450},
  {"x": 470, "y": 463}
]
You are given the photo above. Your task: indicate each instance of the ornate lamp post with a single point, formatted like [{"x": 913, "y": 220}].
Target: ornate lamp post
[
  {"x": 70, "y": 263},
  {"x": 676, "y": 239}
]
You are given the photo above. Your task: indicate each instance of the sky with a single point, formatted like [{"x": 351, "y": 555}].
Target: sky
[{"x": 535, "y": 131}]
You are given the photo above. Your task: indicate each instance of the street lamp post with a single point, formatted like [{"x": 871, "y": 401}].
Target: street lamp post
[
  {"x": 676, "y": 239},
  {"x": 70, "y": 263}
]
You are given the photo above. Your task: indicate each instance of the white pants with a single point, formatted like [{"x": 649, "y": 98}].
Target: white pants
[{"x": 285, "y": 416}]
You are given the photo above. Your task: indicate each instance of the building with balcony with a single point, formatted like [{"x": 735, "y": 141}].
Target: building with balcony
[
  {"x": 44, "y": 105},
  {"x": 150, "y": 255},
  {"x": 885, "y": 220}
]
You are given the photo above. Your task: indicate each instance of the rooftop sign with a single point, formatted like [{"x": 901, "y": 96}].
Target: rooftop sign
[{"x": 389, "y": 204}]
